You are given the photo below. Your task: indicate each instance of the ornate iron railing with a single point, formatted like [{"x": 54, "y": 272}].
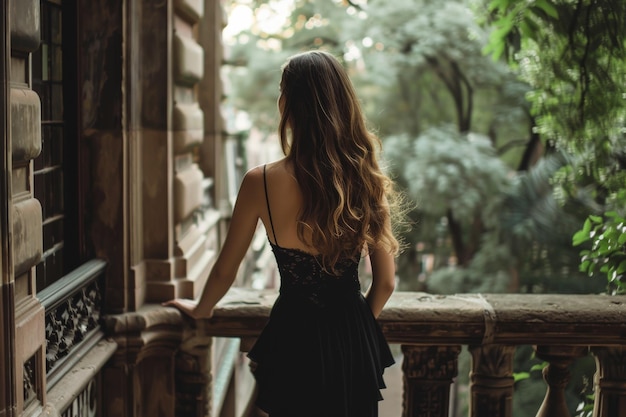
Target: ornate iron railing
[{"x": 72, "y": 306}]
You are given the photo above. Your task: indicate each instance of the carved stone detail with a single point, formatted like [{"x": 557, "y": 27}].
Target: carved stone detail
[
  {"x": 492, "y": 380},
  {"x": 193, "y": 377},
  {"x": 69, "y": 322},
  {"x": 30, "y": 386},
  {"x": 609, "y": 380},
  {"x": 428, "y": 372},
  {"x": 86, "y": 402},
  {"x": 430, "y": 362}
]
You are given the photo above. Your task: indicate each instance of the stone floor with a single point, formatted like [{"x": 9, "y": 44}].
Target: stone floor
[{"x": 391, "y": 406}]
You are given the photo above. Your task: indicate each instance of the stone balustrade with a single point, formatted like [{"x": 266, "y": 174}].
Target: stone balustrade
[{"x": 432, "y": 328}]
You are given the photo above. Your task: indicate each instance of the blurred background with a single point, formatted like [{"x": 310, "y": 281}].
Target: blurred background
[{"x": 502, "y": 122}]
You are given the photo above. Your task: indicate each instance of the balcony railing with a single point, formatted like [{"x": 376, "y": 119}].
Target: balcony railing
[{"x": 432, "y": 329}]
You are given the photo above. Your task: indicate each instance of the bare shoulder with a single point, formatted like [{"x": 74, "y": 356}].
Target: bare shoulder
[
  {"x": 277, "y": 166},
  {"x": 251, "y": 186},
  {"x": 281, "y": 170},
  {"x": 270, "y": 170},
  {"x": 253, "y": 182},
  {"x": 270, "y": 167},
  {"x": 253, "y": 175}
]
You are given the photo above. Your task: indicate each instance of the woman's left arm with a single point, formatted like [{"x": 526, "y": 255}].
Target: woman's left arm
[{"x": 383, "y": 280}]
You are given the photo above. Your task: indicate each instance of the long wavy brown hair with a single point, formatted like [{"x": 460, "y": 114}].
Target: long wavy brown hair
[{"x": 323, "y": 133}]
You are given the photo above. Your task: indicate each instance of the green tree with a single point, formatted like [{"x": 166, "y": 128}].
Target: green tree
[
  {"x": 254, "y": 59},
  {"x": 425, "y": 84},
  {"x": 433, "y": 75},
  {"x": 572, "y": 54},
  {"x": 453, "y": 175}
]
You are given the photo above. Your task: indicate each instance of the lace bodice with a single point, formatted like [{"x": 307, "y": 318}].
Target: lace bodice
[{"x": 301, "y": 274}]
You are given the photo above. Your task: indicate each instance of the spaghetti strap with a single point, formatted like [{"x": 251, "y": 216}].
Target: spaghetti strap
[{"x": 267, "y": 200}]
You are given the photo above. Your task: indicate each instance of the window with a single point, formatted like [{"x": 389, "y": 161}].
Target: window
[{"x": 56, "y": 182}]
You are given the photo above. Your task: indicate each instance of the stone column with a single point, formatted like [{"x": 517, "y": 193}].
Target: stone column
[
  {"x": 428, "y": 372},
  {"x": 211, "y": 94},
  {"x": 102, "y": 85},
  {"x": 156, "y": 151},
  {"x": 118, "y": 399},
  {"x": 194, "y": 380},
  {"x": 140, "y": 378},
  {"x": 491, "y": 380},
  {"x": 8, "y": 400},
  {"x": 178, "y": 241},
  {"x": 26, "y": 241}
]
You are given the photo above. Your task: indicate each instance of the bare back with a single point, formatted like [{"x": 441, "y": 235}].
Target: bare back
[{"x": 284, "y": 203}]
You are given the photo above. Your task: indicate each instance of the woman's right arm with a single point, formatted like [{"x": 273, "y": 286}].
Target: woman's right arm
[{"x": 240, "y": 232}]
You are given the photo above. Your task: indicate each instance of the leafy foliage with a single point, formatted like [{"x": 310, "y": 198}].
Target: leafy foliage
[
  {"x": 525, "y": 247},
  {"x": 573, "y": 55},
  {"x": 434, "y": 72},
  {"x": 607, "y": 235},
  {"x": 458, "y": 178},
  {"x": 449, "y": 171},
  {"x": 417, "y": 74},
  {"x": 455, "y": 122},
  {"x": 537, "y": 229}
]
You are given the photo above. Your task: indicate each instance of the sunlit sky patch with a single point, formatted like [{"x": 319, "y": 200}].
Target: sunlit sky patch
[
  {"x": 269, "y": 18},
  {"x": 272, "y": 18}
]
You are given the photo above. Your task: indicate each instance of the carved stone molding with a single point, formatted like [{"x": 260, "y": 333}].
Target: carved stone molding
[{"x": 428, "y": 372}]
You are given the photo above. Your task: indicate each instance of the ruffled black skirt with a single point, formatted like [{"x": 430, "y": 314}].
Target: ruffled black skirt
[{"x": 315, "y": 360}]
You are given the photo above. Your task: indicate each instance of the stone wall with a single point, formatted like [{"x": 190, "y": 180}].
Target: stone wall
[
  {"x": 149, "y": 136},
  {"x": 25, "y": 137}
]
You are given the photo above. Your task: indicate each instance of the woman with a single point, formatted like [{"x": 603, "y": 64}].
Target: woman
[{"x": 324, "y": 205}]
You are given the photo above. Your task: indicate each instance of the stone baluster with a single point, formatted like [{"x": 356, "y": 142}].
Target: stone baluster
[
  {"x": 610, "y": 381},
  {"x": 491, "y": 380},
  {"x": 194, "y": 383},
  {"x": 557, "y": 376},
  {"x": 428, "y": 372}
]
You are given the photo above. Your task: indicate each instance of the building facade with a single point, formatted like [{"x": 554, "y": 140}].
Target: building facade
[{"x": 114, "y": 197}]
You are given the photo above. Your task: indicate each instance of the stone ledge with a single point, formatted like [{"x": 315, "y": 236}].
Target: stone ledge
[
  {"x": 467, "y": 319},
  {"x": 148, "y": 316},
  {"x": 429, "y": 319}
]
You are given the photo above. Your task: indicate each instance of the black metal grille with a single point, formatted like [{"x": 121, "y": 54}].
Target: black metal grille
[{"x": 47, "y": 70}]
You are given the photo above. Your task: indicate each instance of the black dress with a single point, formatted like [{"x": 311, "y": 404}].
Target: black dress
[{"x": 322, "y": 353}]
